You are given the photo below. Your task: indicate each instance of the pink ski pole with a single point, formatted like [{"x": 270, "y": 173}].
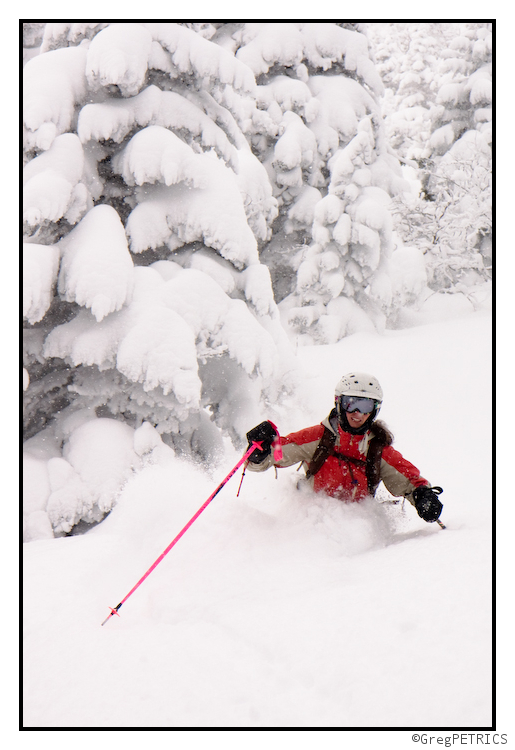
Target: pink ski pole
[{"x": 114, "y": 610}]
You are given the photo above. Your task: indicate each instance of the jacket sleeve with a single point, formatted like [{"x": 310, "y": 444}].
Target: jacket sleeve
[
  {"x": 296, "y": 447},
  {"x": 400, "y": 477}
]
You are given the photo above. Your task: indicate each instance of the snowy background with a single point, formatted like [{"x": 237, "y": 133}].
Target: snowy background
[{"x": 219, "y": 220}]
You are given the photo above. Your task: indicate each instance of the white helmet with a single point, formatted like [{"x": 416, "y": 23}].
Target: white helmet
[{"x": 359, "y": 384}]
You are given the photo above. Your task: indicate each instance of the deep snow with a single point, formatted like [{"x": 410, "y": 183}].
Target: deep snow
[{"x": 279, "y": 608}]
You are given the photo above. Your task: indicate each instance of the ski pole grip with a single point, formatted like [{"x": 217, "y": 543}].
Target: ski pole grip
[{"x": 278, "y": 451}]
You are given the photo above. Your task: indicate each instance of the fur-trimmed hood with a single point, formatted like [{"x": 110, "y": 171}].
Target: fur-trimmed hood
[{"x": 381, "y": 432}]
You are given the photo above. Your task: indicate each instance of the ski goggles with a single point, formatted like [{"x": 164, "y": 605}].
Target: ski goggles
[{"x": 358, "y": 403}]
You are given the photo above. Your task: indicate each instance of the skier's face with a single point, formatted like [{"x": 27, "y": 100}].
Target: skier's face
[{"x": 356, "y": 419}]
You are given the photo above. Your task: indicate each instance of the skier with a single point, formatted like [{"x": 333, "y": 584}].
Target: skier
[{"x": 350, "y": 452}]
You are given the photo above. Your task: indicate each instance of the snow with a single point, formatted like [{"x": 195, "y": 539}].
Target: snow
[
  {"x": 61, "y": 34},
  {"x": 97, "y": 458},
  {"x": 65, "y": 156},
  {"x": 264, "y": 44},
  {"x": 176, "y": 319},
  {"x": 479, "y": 87},
  {"x": 408, "y": 273},
  {"x": 320, "y": 44},
  {"x": 40, "y": 267},
  {"x": 343, "y": 103},
  {"x": 148, "y": 341},
  {"x": 159, "y": 350},
  {"x": 52, "y": 188},
  {"x": 155, "y": 154},
  {"x": 220, "y": 323},
  {"x": 118, "y": 55},
  {"x": 179, "y": 214},
  {"x": 328, "y": 210},
  {"x": 297, "y": 145},
  {"x": 53, "y": 84},
  {"x": 303, "y": 209},
  {"x": 258, "y": 289},
  {"x": 191, "y": 53},
  {"x": 289, "y": 93},
  {"x": 342, "y": 230},
  {"x": 279, "y": 608},
  {"x": 470, "y": 143},
  {"x": 96, "y": 267},
  {"x": 326, "y": 43},
  {"x": 36, "y": 485},
  {"x": 100, "y": 451},
  {"x": 256, "y": 192},
  {"x": 114, "y": 119}
]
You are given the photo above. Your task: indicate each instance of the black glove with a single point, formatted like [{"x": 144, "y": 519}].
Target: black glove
[
  {"x": 427, "y": 503},
  {"x": 265, "y": 434}
]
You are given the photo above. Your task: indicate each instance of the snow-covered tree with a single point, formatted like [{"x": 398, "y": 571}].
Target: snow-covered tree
[
  {"x": 438, "y": 118},
  {"x": 144, "y": 207},
  {"x": 319, "y": 133},
  {"x": 460, "y": 162},
  {"x": 464, "y": 96},
  {"x": 453, "y": 224},
  {"x": 408, "y": 57}
]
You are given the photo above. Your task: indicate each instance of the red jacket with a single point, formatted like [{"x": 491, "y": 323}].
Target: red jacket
[{"x": 343, "y": 475}]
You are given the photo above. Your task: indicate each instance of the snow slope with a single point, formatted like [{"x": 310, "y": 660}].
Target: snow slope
[{"x": 279, "y": 608}]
